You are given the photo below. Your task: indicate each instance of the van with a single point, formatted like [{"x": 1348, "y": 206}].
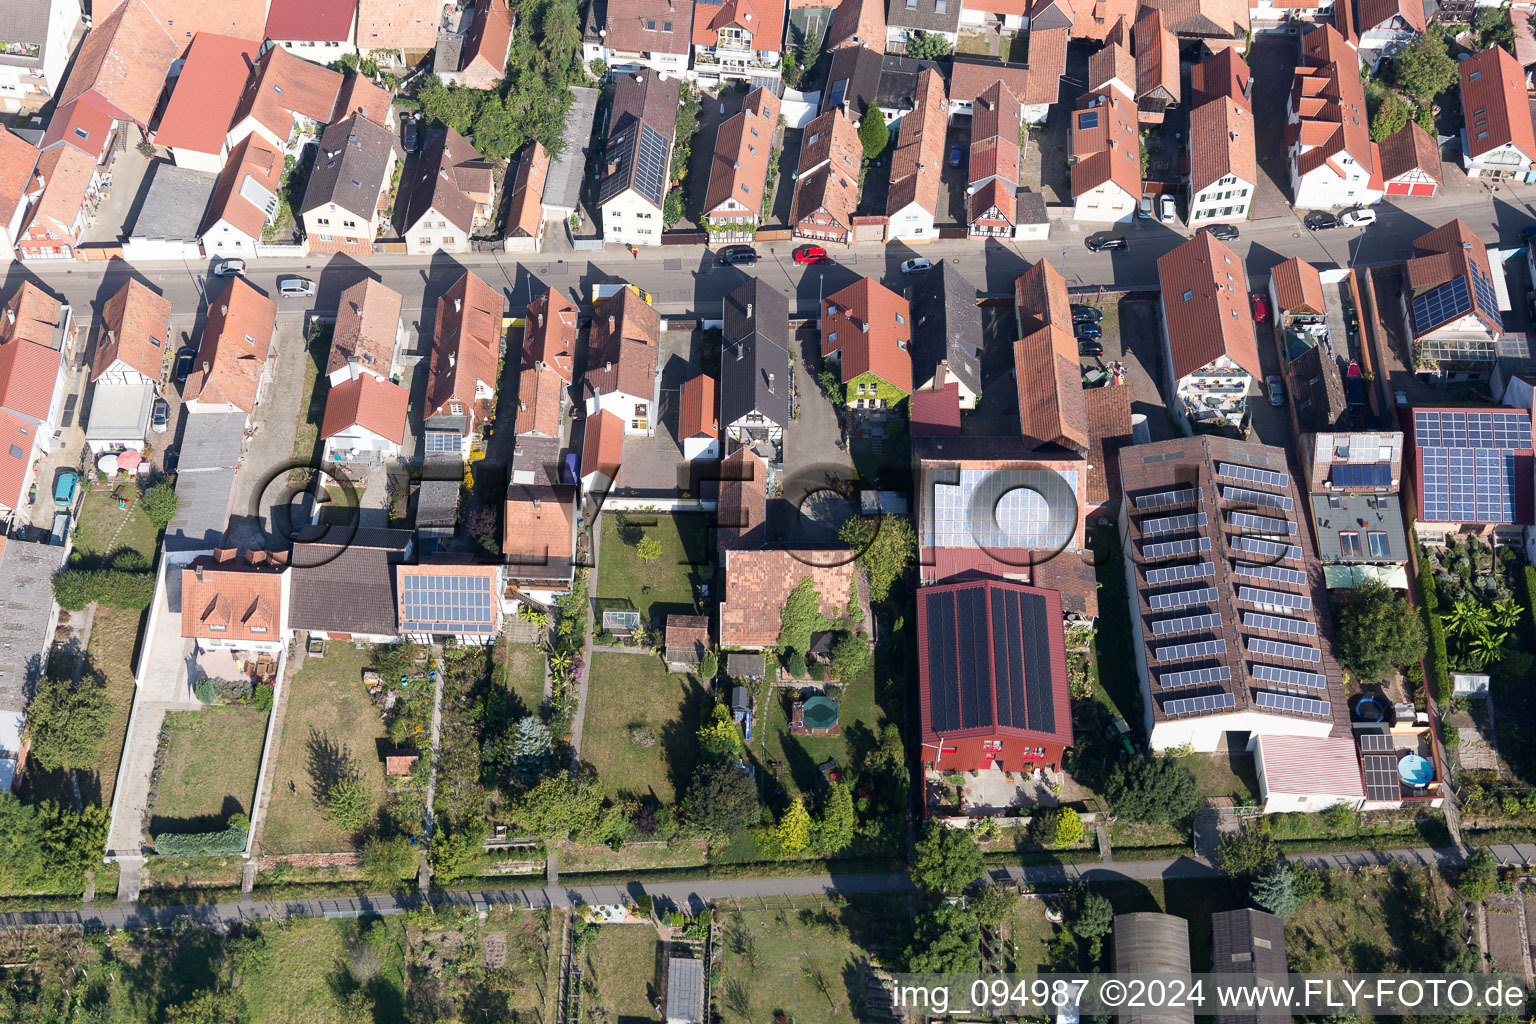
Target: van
[{"x": 295, "y": 287}]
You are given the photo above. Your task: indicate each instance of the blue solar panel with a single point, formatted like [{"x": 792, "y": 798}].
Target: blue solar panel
[
  {"x": 1089, "y": 119},
  {"x": 1370, "y": 474},
  {"x": 1467, "y": 463},
  {"x": 651, "y": 164},
  {"x": 1487, "y": 301},
  {"x": 1441, "y": 305}
]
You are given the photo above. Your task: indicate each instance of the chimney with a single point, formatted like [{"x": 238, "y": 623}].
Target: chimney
[
  {"x": 749, "y": 311},
  {"x": 458, "y": 305},
  {"x": 256, "y": 556},
  {"x": 111, "y": 336},
  {"x": 10, "y": 314},
  {"x": 863, "y": 326},
  {"x": 225, "y": 554},
  {"x": 224, "y": 309},
  {"x": 608, "y": 366},
  {"x": 279, "y": 558},
  {"x": 741, "y": 352},
  {"x": 612, "y": 321},
  {"x": 536, "y": 503},
  {"x": 541, "y": 319},
  {"x": 199, "y": 570},
  {"x": 770, "y": 384}
]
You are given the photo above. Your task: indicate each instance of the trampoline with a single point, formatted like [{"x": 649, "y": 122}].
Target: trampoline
[{"x": 1369, "y": 709}]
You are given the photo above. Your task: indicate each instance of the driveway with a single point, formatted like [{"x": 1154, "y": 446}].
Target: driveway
[
  {"x": 1271, "y": 60},
  {"x": 261, "y": 483},
  {"x": 812, "y": 456}
]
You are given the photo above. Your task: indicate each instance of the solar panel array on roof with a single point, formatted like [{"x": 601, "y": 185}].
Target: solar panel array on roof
[
  {"x": 1188, "y": 652},
  {"x": 1005, "y": 508},
  {"x": 1362, "y": 474},
  {"x": 971, "y": 643},
  {"x": 1168, "y": 499},
  {"x": 1279, "y": 624},
  {"x": 1490, "y": 428},
  {"x": 1274, "y": 598},
  {"x": 1267, "y": 548},
  {"x": 1293, "y": 704},
  {"x": 1199, "y": 705},
  {"x": 1442, "y": 304},
  {"x": 1176, "y": 548},
  {"x": 1290, "y": 677},
  {"x": 944, "y": 685},
  {"x": 1195, "y": 677},
  {"x": 446, "y": 604},
  {"x": 1181, "y": 599},
  {"x": 1172, "y": 524},
  {"x": 1185, "y": 624},
  {"x": 1381, "y": 777},
  {"x": 1252, "y": 474},
  {"x": 1467, "y": 462},
  {"x": 1276, "y": 649},
  {"x": 1263, "y": 524},
  {"x": 651, "y": 165},
  {"x": 1486, "y": 299},
  {"x": 1378, "y": 741},
  {"x": 436, "y": 441},
  {"x": 1179, "y": 573},
  {"x": 1031, "y": 702},
  {"x": 1274, "y": 573},
  {"x": 1248, "y": 496}
]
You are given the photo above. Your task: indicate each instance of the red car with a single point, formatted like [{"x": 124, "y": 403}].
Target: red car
[
  {"x": 1260, "y": 307},
  {"x": 810, "y": 254}
]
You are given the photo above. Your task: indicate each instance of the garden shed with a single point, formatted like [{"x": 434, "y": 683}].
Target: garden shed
[{"x": 685, "y": 991}]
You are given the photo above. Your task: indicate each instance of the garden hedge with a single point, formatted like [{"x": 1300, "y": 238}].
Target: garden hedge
[
  {"x": 1530, "y": 606},
  {"x": 231, "y": 840},
  {"x": 75, "y": 589},
  {"x": 1437, "y": 668}
]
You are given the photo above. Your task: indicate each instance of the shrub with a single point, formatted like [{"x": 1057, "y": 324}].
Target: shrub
[
  {"x": 231, "y": 840},
  {"x": 387, "y": 861},
  {"x": 203, "y": 690},
  {"x": 1059, "y": 826},
  {"x": 1438, "y": 676},
  {"x": 347, "y": 805},
  {"x": 709, "y": 665},
  {"x": 261, "y": 698},
  {"x": 817, "y": 671},
  {"x": 75, "y": 589},
  {"x": 1477, "y": 878},
  {"x": 160, "y": 503},
  {"x": 795, "y": 664}
]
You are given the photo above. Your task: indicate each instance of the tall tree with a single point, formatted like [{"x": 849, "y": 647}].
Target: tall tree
[
  {"x": 1377, "y": 631},
  {"x": 1274, "y": 890},
  {"x": 946, "y": 940},
  {"x": 721, "y": 800},
  {"x": 67, "y": 720},
  {"x": 793, "y": 832},
  {"x": 835, "y": 826},
  {"x": 560, "y": 24},
  {"x": 1424, "y": 68},
  {"x": 719, "y": 740},
  {"x": 1153, "y": 788},
  {"x": 947, "y": 859},
  {"x": 874, "y": 133}
]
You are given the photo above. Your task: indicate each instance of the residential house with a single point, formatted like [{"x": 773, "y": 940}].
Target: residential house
[
  {"x": 525, "y": 218},
  {"x": 1333, "y": 162},
  {"x": 403, "y": 29},
  {"x": 123, "y": 63},
  {"x": 1357, "y": 516},
  {"x": 991, "y": 203},
  {"x": 67, "y": 185},
  {"x": 443, "y": 600},
  {"x": 946, "y": 333},
  {"x": 234, "y": 355},
  {"x": 549, "y": 339},
  {"x": 1225, "y": 596},
  {"x": 183, "y": 20},
  {"x": 1451, "y": 304},
  {"x": 36, "y": 52},
  {"x": 758, "y": 581},
  {"x": 1247, "y": 945},
  {"x": 287, "y": 101},
  {"x": 473, "y": 43},
  {"x": 1207, "y": 331},
  {"x": 827, "y": 183},
  {"x": 541, "y": 412},
  {"x": 322, "y": 31},
  {"x": 36, "y": 338},
  {"x": 1036, "y": 83},
  {"x": 195, "y": 125},
  {"x": 1003, "y": 706},
  {"x": 1217, "y": 24},
  {"x": 737, "y": 39},
  {"x": 997, "y": 14},
  {"x": 466, "y": 354},
  {"x": 916, "y": 165},
  {"x": 245, "y": 200},
  {"x": 857, "y": 23},
  {"x": 602, "y": 453},
  {"x": 741, "y": 513},
  {"x": 364, "y": 421},
  {"x": 1223, "y": 75},
  {"x": 1157, "y": 66},
  {"x": 368, "y": 334},
  {"x": 452, "y": 196},
  {"x": 1047, "y": 371},
  {"x": 698, "y": 427},
  {"x": 1410, "y": 162},
  {"x": 1497, "y": 140},
  {"x": 346, "y": 591},
  {"x": 865, "y": 329},
  {"x": 1472, "y": 471},
  {"x": 1387, "y": 26},
  {"x": 1223, "y": 162},
  {"x": 127, "y": 368},
  {"x": 234, "y": 603},
  {"x": 755, "y": 364},
  {"x": 538, "y": 544},
  {"x": 18, "y": 159},
  {"x": 622, "y": 352},
  {"x": 738, "y": 172},
  {"x": 1109, "y": 432},
  {"x": 853, "y": 81},
  {"x": 639, "y": 35},
  {"x": 1310, "y": 365},
  {"x": 632, "y": 186},
  {"x": 345, "y": 203},
  {"x": 1106, "y": 157},
  {"x": 908, "y": 20}
]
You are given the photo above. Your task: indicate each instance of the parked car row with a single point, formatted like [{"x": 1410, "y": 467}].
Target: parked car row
[{"x": 289, "y": 286}]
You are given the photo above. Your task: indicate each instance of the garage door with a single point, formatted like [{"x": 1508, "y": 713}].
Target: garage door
[
  {"x": 1423, "y": 190},
  {"x": 1397, "y": 188}
]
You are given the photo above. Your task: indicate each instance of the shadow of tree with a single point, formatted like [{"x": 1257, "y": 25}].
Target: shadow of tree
[
  {"x": 328, "y": 763},
  {"x": 679, "y": 735}
]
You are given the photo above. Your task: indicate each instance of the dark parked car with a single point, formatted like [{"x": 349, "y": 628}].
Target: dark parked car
[
  {"x": 184, "y": 364},
  {"x": 1086, "y": 314},
  {"x": 170, "y": 458},
  {"x": 1087, "y": 331},
  {"x": 738, "y": 255},
  {"x": 1321, "y": 220},
  {"x": 411, "y": 134},
  {"x": 1090, "y": 348},
  {"x": 954, "y": 155},
  {"x": 1103, "y": 243},
  {"x": 1224, "y": 232}
]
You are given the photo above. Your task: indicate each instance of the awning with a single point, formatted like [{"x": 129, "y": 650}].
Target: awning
[{"x": 1350, "y": 576}]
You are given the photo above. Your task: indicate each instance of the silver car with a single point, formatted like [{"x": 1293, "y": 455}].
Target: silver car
[{"x": 295, "y": 287}]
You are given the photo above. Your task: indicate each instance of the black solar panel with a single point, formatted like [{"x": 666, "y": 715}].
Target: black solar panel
[
  {"x": 1380, "y": 776},
  {"x": 1483, "y": 294},
  {"x": 943, "y": 676},
  {"x": 1169, "y": 499},
  {"x": 1367, "y": 474},
  {"x": 651, "y": 164},
  {"x": 1441, "y": 305},
  {"x": 1007, "y": 660},
  {"x": 975, "y": 702},
  {"x": 1039, "y": 688},
  {"x": 1378, "y": 741}
]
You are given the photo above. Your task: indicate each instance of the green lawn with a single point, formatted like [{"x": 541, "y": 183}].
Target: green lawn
[
  {"x": 793, "y": 759},
  {"x": 311, "y": 958},
  {"x": 624, "y": 958},
  {"x": 630, "y": 692},
  {"x": 103, "y": 527},
  {"x": 669, "y": 583},
  {"x": 525, "y": 674},
  {"x": 207, "y": 768},
  {"x": 1232, "y": 775},
  {"x": 331, "y": 727},
  {"x": 114, "y": 635},
  {"x": 1031, "y": 935}
]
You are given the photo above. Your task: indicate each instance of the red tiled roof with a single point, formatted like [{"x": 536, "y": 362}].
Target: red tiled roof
[
  {"x": 232, "y": 600},
  {"x": 1409, "y": 149},
  {"x": 1212, "y": 19},
  {"x": 873, "y": 330},
  {"x": 622, "y": 346},
  {"x": 935, "y": 411},
  {"x": 1106, "y": 143},
  {"x": 134, "y": 326},
  {"x": 919, "y": 158},
  {"x": 739, "y": 167},
  {"x": 66, "y": 174},
  {"x": 124, "y": 59},
  {"x": 1113, "y": 63},
  {"x": 538, "y": 531},
  {"x": 1157, "y": 55},
  {"x": 995, "y": 120},
  {"x": 283, "y": 86},
  {"x": 490, "y": 35},
  {"x": 1221, "y": 143},
  {"x": 359, "y": 95},
  {"x": 397, "y": 24},
  {"x": 17, "y": 160},
  {"x": 698, "y": 418},
  {"x": 759, "y": 581},
  {"x": 1298, "y": 286},
  {"x": 29, "y": 365},
  {"x": 366, "y": 401},
  {"x": 1374, "y": 13},
  {"x": 1047, "y": 373},
  {"x": 1225, "y": 74},
  {"x": 1451, "y": 251},
  {"x": 203, "y": 102},
  {"x": 857, "y": 22},
  {"x": 184, "y": 20},
  {"x": 320, "y": 21},
  {"x": 31, "y": 314},
  {"x": 233, "y": 351},
  {"x": 602, "y": 445},
  {"x": 1204, "y": 287},
  {"x": 550, "y": 334},
  {"x": 688, "y": 634},
  {"x": 762, "y": 19},
  {"x": 526, "y": 218},
  {"x": 466, "y": 347},
  {"x": 538, "y": 401},
  {"x": 253, "y": 157},
  {"x": 741, "y": 512},
  {"x": 85, "y": 123},
  {"x": 1109, "y": 430},
  {"x": 628, "y": 22},
  {"x": 1327, "y": 96},
  {"x": 16, "y": 435},
  {"x": 367, "y": 326},
  {"x": 1493, "y": 81}
]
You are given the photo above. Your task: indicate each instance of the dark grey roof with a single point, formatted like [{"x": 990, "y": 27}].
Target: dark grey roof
[
  {"x": 1148, "y": 943},
  {"x": 532, "y": 453},
  {"x": 562, "y": 183},
  {"x": 26, "y": 608},
  {"x": 685, "y": 990},
  {"x": 753, "y": 348},
  {"x": 1031, "y": 208},
  {"x": 348, "y": 588},
  {"x": 639, "y": 144},
  {"x": 212, "y": 440},
  {"x": 26, "y": 22},
  {"x": 853, "y": 79},
  {"x": 744, "y": 666},
  {"x": 1247, "y": 942},
  {"x": 174, "y": 203},
  {"x": 1317, "y": 388},
  {"x": 437, "y": 499},
  {"x": 897, "y": 90},
  {"x": 1362, "y": 514},
  {"x": 350, "y": 167},
  {"x": 394, "y": 543},
  {"x": 946, "y": 325},
  {"x": 203, "y": 501},
  {"x": 592, "y": 25},
  {"x": 925, "y": 16}
]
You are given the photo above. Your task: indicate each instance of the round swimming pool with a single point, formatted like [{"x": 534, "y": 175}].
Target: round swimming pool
[{"x": 1416, "y": 770}]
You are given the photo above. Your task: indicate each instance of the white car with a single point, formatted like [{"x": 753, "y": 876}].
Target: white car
[
  {"x": 1359, "y": 217},
  {"x": 295, "y": 287},
  {"x": 229, "y": 268},
  {"x": 1167, "y": 208},
  {"x": 1144, "y": 211},
  {"x": 916, "y": 266}
]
